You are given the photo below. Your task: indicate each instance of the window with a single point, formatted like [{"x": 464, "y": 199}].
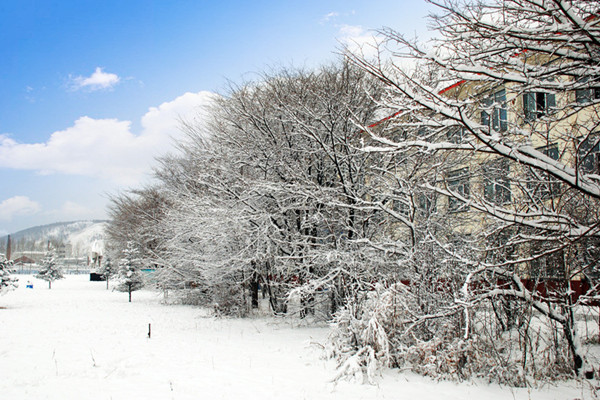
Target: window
[
  {"x": 400, "y": 207},
  {"x": 504, "y": 246},
  {"x": 551, "y": 151},
  {"x": 587, "y": 95},
  {"x": 456, "y": 134},
  {"x": 550, "y": 187},
  {"x": 494, "y": 113},
  {"x": 426, "y": 204},
  {"x": 549, "y": 266},
  {"x": 542, "y": 185},
  {"x": 587, "y": 256},
  {"x": 458, "y": 182},
  {"x": 496, "y": 185},
  {"x": 538, "y": 104},
  {"x": 588, "y": 155}
]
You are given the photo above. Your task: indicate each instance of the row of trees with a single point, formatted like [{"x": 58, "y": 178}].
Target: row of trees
[
  {"x": 49, "y": 271},
  {"x": 417, "y": 230},
  {"x": 29, "y": 244},
  {"x": 268, "y": 197},
  {"x": 128, "y": 272}
]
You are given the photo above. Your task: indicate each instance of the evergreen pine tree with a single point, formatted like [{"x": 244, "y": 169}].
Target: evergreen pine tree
[
  {"x": 50, "y": 271},
  {"x": 130, "y": 270},
  {"x": 108, "y": 269},
  {"x": 7, "y": 280}
]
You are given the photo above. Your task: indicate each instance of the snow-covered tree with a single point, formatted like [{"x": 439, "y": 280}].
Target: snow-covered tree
[
  {"x": 49, "y": 269},
  {"x": 107, "y": 269},
  {"x": 270, "y": 195},
  {"x": 135, "y": 217},
  {"x": 7, "y": 280},
  {"x": 131, "y": 276},
  {"x": 506, "y": 100}
]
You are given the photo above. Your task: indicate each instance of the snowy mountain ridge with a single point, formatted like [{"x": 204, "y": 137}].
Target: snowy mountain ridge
[{"x": 78, "y": 236}]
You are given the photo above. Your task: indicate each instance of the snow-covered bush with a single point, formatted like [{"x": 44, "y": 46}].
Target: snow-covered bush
[
  {"x": 50, "y": 271},
  {"x": 385, "y": 328},
  {"x": 220, "y": 298},
  {"x": 7, "y": 280},
  {"x": 228, "y": 299},
  {"x": 374, "y": 329},
  {"x": 191, "y": 297},
  {"x": 223, "y": 298}
]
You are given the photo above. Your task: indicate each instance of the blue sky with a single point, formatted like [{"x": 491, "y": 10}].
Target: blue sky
[{"x": 91, "y": 91}]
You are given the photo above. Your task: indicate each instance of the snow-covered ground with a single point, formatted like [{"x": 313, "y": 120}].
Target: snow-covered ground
[{"x": 80, "y": 341}]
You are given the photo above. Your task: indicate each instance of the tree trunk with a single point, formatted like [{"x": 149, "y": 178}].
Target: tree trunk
[
  {"x": 273, "y": 299},
  {"x": 577, "y": 358},
  {"x": 129, "y": 293},
  {"x": 307, "y": 302},
  {"x": 570, "y": 331},
  {"x": 278, "y": 307},
  {"x": 254, "y": 290},
  {"x": 49, "y": 284},
  {"x": 106, "y": 282}
]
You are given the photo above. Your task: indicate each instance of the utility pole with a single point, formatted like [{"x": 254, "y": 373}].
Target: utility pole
[{"x": 8, "y": 248}]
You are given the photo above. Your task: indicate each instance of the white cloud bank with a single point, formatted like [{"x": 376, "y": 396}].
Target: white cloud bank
[
  {"x": 107, "y": 148},
  {"x": 99, "y": 80},
  {"x": 17, "y": 206}
]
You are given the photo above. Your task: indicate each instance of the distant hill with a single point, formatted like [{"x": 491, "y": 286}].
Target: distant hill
[{"x": 77, "y": 236}]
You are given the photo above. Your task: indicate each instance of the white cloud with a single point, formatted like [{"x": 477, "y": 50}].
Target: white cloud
[
  {"x": 97, "y": 81},
  {"x": 359, "y": 41},
  {"x": 167, "y": 117},
  {"x": 329, "y": 16},
  {"x": 18, "y": 205},
  {"x": 106, "y": 148}
]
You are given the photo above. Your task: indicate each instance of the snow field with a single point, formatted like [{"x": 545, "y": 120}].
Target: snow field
[{"x": 80, "y": 341}]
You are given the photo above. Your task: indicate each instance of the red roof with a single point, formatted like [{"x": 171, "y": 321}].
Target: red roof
[{"x": 24, "y": 260}]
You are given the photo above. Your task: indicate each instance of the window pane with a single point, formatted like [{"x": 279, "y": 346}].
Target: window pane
[
  {"x": 425, "y": 204},
  {"x": 496, "y": 184},
  {"x": 485, "y": 118},
  {"x": 500, "y": 97},
  {"x": 529, "y": 106},
  {"x": 589, "y": 157},
  {"x": 503, "y": 120},
  {"x": 550, "y": 102},
  {"x": 494, "y": 114},
  {"x": 552, "y": 152},
  {"x": 547, "y": 186},
  {"x": 458, "y": 182},
  {"x": 583, "y": 96},
  {"x": 488, "y": 188}
]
